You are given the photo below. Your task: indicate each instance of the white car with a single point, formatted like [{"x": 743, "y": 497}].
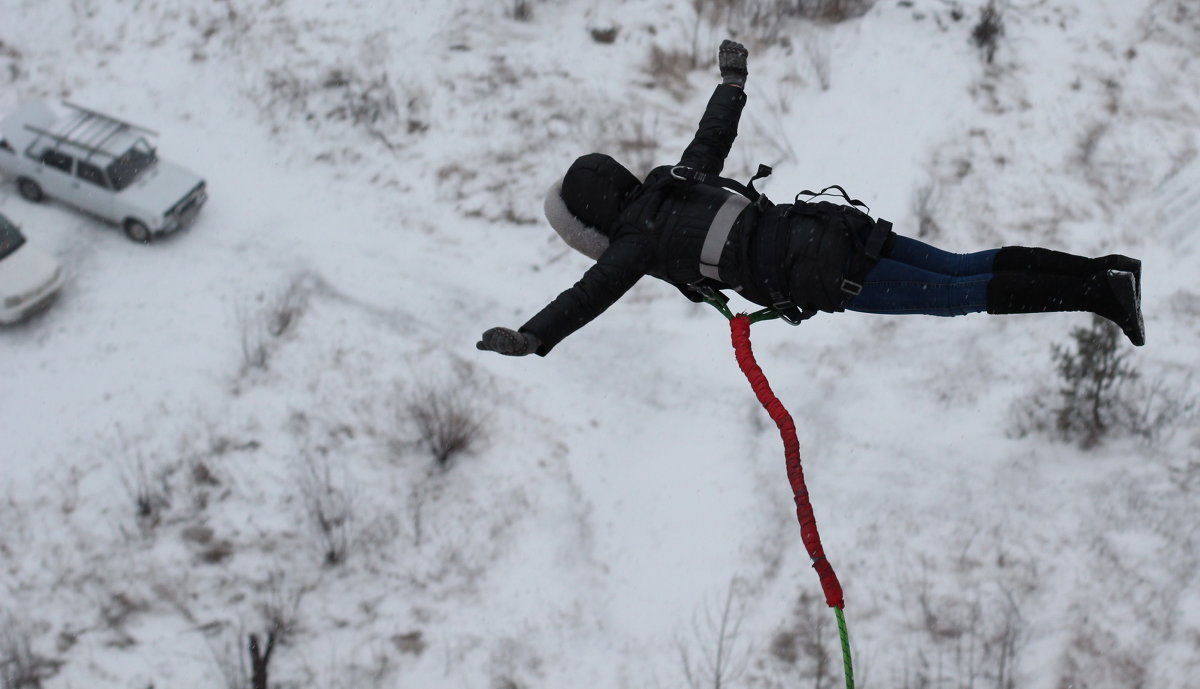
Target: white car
[
  {"x": 29, "y": 278},
  {"x": 100, "y": 164}
]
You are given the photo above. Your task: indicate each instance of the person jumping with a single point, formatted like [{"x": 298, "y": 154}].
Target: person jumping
[{"x": 702, "y": 233}]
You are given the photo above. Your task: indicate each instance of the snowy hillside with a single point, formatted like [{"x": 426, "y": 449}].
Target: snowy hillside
[{"x": 219, "y": 434}]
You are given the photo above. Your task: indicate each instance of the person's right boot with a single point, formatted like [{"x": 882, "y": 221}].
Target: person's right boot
[
  {"x": 1039, "y": 260},
  {"x": 1108, "y": 293}
]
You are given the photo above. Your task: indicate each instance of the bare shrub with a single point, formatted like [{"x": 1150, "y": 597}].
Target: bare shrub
[
  {"x": 637, "y": 142},
  {"x": 273, "y": 316},
  {"x": 448, "y": 419},
  {"x": 1089, "y": 143},
  {"x": 926, "y": 202},
  {"x": 988, "y": 30},
  {"x": 116, "y": 609},
  {"x": 280, "y": 607},
  {"x": 765, "y": 22},
  {"x": 284, "y": 310},
  {"x": 668, "y": 70},
  {"x": 511, "y": 661},
  {"x": 828, "y": 10},
  {"x": 1161, "y": 406},
  {"x": 329, "y": 506},
  {"x": 231, "y": 664},
  {"x": 148, "y": 488},
  {"x": 819, "y": 54},
  {"x": 521, "y": 10},
  {"x": 13, "y": 57},
  {"x": 339, "y": 93},
  {"x": 714, "y": 657},
  {"x": 411, "y": 643},
  {"x": 20, "y": 666},
  {"x": 1097, "y": 657},
  {"x": 252, "y": 338},
  {"x": 803, "y": 650},
  {"x": 604, "y": 34},
  {"x": 966, "y": 640},
  {"x": 369, "y": 101}
]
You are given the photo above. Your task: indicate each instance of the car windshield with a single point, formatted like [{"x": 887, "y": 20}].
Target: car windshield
[
  {"x": 11, "y": 238},
  {"x": 125, "y": 169}
]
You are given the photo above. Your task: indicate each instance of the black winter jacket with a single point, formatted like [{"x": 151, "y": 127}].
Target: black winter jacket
[{"x": 801, "y": 249}]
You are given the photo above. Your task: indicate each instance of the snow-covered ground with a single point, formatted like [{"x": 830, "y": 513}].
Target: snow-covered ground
[{"x": 375, "y": 173}]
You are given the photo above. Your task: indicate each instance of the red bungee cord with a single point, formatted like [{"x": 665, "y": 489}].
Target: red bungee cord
[{"x": 740, "y": 330}]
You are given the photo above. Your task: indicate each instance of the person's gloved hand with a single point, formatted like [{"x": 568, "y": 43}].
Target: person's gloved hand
[
  {"x": 731, "y": 57},
  {"x": 508, "y": 342}
]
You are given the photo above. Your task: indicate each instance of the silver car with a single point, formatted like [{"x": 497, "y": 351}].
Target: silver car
[
  {"x": 29, "y": 277},
  {"x": 101, "y": 165}
]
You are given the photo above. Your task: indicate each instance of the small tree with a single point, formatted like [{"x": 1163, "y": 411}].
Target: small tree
[
  {"x": 1092, "y": 374},
  {"x": 259, "y": 659}
]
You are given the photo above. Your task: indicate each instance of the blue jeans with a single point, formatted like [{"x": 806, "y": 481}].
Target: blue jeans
[{"x": 915, "y": 277}]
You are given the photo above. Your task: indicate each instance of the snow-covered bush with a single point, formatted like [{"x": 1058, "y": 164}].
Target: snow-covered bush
[
  {"x": 761, "y": 19},
  {"x": 1093, "y": 374},
  {"x": 20, "y": 666},
  {"x": 1099, "y": 394},
  {"x": 147, "y": 486},
  {"x": 803, "y": 648},
  {"x": 988, "y": 31},
  {"x": 448, "y": 420}
]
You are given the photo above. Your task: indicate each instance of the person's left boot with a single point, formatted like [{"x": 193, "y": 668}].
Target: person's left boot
[
  {"x": 1128, "y": 265},
  {"x": 1127, "y": 292},
  {"x": 1111, "y": 294}
]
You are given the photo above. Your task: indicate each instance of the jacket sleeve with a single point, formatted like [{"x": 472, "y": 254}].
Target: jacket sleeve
[
  {"x": 717, "y": 130},
  {"x": 616, "y": 271}
]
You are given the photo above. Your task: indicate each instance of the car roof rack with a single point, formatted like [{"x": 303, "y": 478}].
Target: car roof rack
[{"x": 90, "y": 130}]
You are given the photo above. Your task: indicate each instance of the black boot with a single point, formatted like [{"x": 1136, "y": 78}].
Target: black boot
[
  {"x": 1039, "y": 260},
  {"x": 1128, "y": 265},
  {"x": 1032, "y": 259},
  {"x": 1110, "y": 293}
]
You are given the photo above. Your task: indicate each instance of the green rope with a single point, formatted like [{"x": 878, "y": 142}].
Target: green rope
[
  {"x": 760, "y": 315},
  {"x": 841, "y": 618}
]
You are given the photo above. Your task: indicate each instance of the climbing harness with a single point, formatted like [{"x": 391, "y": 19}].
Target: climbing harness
[{"x": 739, "y": 326}]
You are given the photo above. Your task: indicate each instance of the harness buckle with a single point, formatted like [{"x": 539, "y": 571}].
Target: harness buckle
[
  {"x": 851, "y": 287},
  {"x": 683, "y": 173},
  {"x": 788, "y": 312}
]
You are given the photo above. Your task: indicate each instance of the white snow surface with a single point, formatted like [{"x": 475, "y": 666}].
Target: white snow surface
[{"x": 384, "y": 163}]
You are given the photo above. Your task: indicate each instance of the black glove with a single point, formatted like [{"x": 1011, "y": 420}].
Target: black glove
[
  {"x": 731, "y": 56},
  {"x": 508, "y": 342}
]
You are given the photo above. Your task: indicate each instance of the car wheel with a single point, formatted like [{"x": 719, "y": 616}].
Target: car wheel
[
  {"x": 137, "y": 231},
  {"x": 31, "y": 190}
]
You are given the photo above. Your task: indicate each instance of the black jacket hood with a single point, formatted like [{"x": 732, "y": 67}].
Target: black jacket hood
[{"x": 595, "y": 190}]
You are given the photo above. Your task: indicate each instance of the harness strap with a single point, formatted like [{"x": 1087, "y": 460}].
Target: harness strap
[
  {"x": 824, "y": 192},
  {"x": 773, "y": 243},
  {"x": 684, "y": 173},
  {"x": 860, "y": 265},
  {"x": 718, "y": 234}
]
